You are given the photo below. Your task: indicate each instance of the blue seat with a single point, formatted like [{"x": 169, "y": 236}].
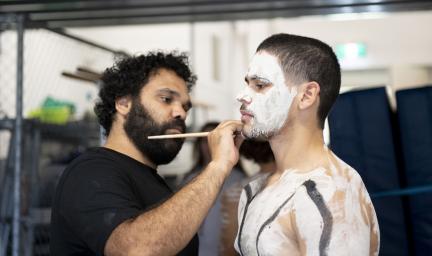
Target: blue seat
[
  {"x": 361, "y": 134},
  {"x": 415, "y": 122}
]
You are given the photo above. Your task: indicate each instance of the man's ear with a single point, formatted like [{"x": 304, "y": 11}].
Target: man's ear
[
  {"x": 123, "y": 105},
  {"x": 310, "y": 95}
]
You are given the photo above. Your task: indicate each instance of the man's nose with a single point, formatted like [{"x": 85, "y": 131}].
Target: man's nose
[
  {"x": 244, "y": 99},
  {"x": 179, "y": 112}
]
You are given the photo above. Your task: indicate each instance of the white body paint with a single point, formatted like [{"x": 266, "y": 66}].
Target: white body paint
[
  {"x": 271, "y": 108},
  {"x": 299, "y": 224}
]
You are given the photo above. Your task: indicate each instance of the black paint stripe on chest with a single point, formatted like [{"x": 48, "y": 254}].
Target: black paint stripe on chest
[
  {"x": 317, "y": 198},
  {"x": 249, "y": 200},
  {"x": 270, "y": 220}
]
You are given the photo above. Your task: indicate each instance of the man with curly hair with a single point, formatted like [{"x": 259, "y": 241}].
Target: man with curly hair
[{"x": 110, "y": 200}]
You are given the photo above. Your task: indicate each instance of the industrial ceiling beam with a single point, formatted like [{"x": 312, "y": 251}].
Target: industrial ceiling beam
[{"x": 57, "y": 14}]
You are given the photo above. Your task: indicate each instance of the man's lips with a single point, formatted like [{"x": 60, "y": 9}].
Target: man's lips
[
  {"x": 246, "y": 116},
  {"x": 246, "y": 113},
  {"x": 174, "y": 131}
]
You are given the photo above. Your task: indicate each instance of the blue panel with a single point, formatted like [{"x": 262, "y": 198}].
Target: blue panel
[
  {"x": 361, "y": 134},
  {"x": 415, "y": 121}
]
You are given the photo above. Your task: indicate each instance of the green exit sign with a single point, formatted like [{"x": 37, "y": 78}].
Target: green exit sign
[{"x": 351, "y": 51}]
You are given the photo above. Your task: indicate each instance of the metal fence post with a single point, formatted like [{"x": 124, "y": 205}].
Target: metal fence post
[{"x": 18, "y": 138}]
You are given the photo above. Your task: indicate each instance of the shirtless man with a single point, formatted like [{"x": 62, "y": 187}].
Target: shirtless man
[{"x": 314, "y": 203}]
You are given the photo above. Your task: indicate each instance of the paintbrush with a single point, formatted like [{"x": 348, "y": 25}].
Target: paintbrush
[
  {"x": 180, "y": 135},
  {"x": 184, "y": 135}
]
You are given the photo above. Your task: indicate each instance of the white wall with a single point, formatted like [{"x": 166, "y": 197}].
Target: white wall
[
  {"x": 399, "y": 52},
  {"x": 399, "y": 47},
  {"x": 140, "y": 38},
  {"x": 392, "y": 39}
]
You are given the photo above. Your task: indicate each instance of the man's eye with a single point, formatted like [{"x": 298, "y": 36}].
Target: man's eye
[{"x": 166, "y": 99}]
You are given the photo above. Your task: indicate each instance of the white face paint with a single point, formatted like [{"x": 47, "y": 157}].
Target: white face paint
[{"x": 269, "y": 108}]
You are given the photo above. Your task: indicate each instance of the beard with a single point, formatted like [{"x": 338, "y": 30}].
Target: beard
[
  {"x": 139, "y": 125},
  {"x": 256, "y": 130}
]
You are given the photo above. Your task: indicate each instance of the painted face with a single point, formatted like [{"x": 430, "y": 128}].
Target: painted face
[{"x": 266, "y": 99}]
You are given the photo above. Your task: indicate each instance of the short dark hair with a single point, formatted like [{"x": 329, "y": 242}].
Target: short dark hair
[
  {"x": 307, "y": 59},
  {"x": 130, "y": 74}
]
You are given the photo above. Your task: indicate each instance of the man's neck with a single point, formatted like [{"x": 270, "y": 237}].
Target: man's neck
[
  {"x": 120, "y": 142},
  {"x": 267, "y": 167},
  {"x": 299, "y": 148}
]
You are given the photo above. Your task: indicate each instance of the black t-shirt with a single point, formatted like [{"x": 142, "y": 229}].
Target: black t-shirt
[{"x": 98, "y": 191}]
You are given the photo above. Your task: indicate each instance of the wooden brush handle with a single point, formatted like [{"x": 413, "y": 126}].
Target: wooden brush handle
[{"x": 181, "y": 135}]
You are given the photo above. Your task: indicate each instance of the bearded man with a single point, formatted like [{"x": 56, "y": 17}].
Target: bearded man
[{"x": 111, "y": 200}]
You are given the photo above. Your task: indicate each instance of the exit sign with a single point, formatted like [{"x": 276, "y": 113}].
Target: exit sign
[{"x": 351, "y": 51}]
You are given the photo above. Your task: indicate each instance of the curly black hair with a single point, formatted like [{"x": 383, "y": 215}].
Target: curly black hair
[{"x": 130, "y": 74}]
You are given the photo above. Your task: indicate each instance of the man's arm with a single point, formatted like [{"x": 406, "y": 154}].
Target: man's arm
[
  {"x": 167, "y": 229},
  {"x": 229, "y": 208}
]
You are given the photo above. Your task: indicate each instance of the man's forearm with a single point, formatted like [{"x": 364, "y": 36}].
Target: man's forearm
[{"x": 168, "y": 228}]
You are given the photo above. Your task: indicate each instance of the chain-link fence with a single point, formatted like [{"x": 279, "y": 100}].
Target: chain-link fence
[{"x": 60, "y": 77}]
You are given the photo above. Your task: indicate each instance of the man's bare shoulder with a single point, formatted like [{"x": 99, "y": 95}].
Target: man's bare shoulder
[{"x": 333, "y": 205}]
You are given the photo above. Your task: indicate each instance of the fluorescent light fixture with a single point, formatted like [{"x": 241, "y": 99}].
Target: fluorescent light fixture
[{"x": 356, "y": 16}]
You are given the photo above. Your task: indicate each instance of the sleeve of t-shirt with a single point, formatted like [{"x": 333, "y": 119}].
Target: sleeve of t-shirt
[{"x": 96, "y": 198}]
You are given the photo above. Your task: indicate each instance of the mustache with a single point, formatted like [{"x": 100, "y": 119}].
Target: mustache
[
  {"x": 244, "y": 108},
  {"x": 175, "y": 124}
]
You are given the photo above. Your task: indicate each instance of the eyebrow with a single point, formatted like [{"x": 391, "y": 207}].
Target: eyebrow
[
  {"x": 255, "y": 77},
  {"x": 169, "y": 91},
  {"x": 187, "y": 105}
]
